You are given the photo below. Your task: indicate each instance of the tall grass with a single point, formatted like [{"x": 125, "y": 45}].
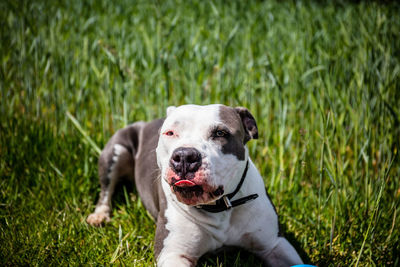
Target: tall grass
[{"x": 322, "y": 80}]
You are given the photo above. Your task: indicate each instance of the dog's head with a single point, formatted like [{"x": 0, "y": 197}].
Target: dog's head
[{"x": 201, "y": 150}]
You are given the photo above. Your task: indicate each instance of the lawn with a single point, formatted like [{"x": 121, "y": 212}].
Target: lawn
[{"x": 321, "y": 78}]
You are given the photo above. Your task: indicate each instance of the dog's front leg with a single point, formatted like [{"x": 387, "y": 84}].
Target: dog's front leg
[
  {"x": 173, "y": 250},
  {"x": 282, "y": 255},
  {"x": 176, "y": 260},
  {"x": 180, "y": 242}
]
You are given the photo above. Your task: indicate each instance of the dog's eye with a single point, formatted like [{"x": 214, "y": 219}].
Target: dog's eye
[
  {"x": 169, "y": 133},
  {"x": 220, "y": 133}
]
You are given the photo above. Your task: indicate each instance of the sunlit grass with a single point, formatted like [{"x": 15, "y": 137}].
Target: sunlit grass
[{"x": 322, "y": 80}]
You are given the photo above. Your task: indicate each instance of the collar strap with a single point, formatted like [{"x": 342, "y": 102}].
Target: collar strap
[{"x": 225, "y": 203}]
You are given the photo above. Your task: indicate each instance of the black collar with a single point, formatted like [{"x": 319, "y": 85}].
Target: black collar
[{"x": 225, "y": 203}]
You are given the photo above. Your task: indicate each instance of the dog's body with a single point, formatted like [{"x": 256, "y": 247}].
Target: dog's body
[{"x": 200, "y": 154}]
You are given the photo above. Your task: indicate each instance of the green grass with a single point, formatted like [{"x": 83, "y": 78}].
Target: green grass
[{"x": 322, "y": 80}]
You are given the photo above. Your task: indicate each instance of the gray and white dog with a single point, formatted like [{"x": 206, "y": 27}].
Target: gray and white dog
[{"x": 194, "y": 176}]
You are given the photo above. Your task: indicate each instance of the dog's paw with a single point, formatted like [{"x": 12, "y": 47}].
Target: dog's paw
[{"x": 98, "y": 219}]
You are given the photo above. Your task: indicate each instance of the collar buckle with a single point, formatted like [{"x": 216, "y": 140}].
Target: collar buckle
[{"x": 227, "y": 202}]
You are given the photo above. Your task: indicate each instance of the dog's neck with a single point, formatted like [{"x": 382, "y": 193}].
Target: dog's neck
[
  {"x": 226, "y": 202},
  {"x": 241, "y": 193}
]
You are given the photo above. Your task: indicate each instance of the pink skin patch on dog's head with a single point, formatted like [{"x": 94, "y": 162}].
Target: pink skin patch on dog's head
[{"x": 194, "y": 191}]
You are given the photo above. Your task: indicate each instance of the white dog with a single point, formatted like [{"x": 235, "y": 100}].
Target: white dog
[{"x": 210, "y": 193}]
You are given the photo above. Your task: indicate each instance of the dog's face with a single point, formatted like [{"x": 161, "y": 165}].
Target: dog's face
[{"x": 201, "y": 150}]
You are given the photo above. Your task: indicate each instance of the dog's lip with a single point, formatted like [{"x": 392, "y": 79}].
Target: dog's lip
[{"x": 184, "y": 183}]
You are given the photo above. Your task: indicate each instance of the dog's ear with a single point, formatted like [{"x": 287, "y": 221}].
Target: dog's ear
[
  {"x": 170, "y": 109},
  {"x": 249, "y": 123}
]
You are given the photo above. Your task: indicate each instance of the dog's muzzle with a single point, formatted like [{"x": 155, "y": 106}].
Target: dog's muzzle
[
  {"x": 185, "y": 161},
  {"x": 188, "y": 180}
]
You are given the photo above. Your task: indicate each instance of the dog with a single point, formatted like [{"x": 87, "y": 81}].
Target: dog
[{"x": 193, "y": 174}]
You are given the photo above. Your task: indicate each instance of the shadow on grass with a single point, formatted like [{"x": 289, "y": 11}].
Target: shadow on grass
[
  {"x": 235, "y": 256},
  {"x": 122, "y": 191},
  {"x": 229, "y": 256}
]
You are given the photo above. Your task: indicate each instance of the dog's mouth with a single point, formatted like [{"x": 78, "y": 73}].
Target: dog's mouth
[
  {"x": 190, "y": 193},
  {"x": 187, "y": 189}
]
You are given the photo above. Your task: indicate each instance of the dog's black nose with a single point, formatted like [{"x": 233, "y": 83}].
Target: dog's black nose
[{"x": 185, "y": 161}]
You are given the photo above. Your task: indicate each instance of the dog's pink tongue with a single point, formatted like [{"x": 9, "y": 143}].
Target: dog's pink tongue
[{"x": 185, "y": 183}]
